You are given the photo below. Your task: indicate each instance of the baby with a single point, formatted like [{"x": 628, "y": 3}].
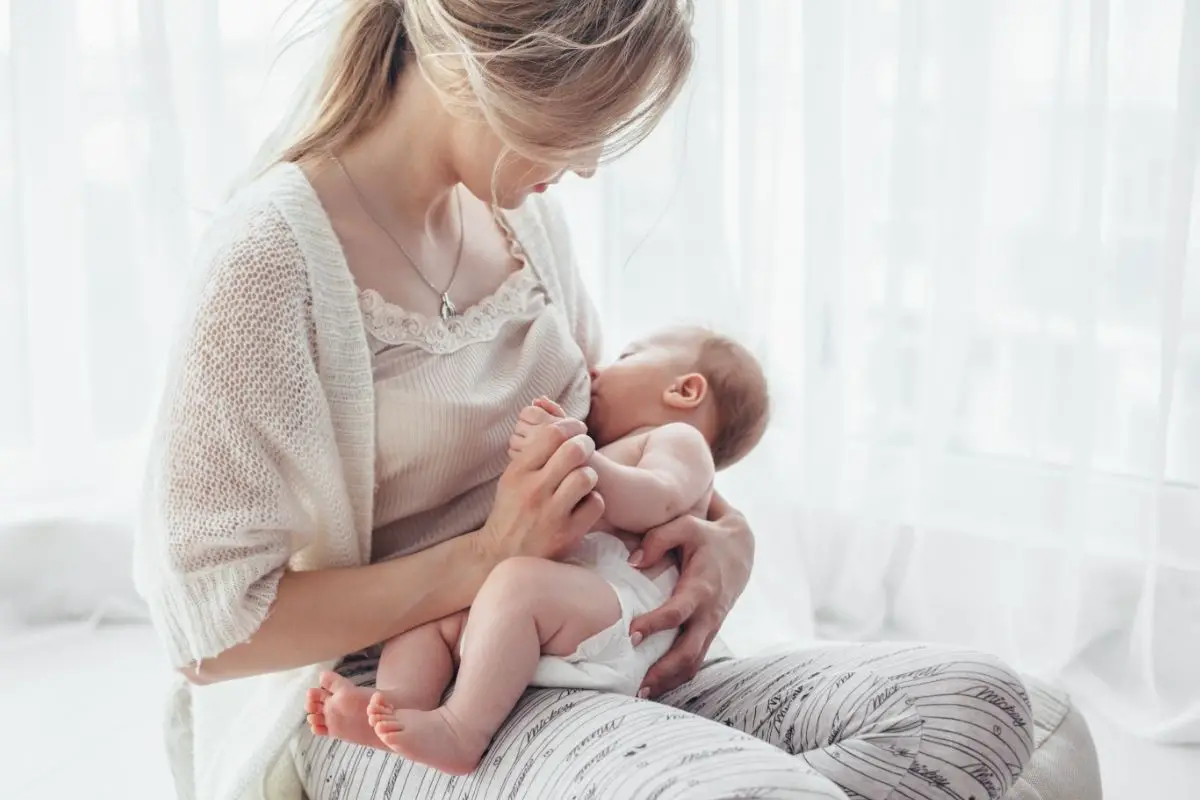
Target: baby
[{"x": 665, "y": 416}]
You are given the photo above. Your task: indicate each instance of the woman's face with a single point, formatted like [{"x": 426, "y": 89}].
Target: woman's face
[{"x": 481, "y": 158}]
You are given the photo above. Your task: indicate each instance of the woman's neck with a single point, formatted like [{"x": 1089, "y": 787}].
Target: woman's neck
[{"x": 404, "y": 165}]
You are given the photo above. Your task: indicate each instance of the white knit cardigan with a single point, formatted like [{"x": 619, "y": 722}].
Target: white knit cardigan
[{"x": 263, "y": 460}]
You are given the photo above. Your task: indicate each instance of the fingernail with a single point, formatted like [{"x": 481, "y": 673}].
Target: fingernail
[
  {"x": 636, "y": 638},
  {"x": 635, "y": 558},
  {"x": 643, "y": 692}
]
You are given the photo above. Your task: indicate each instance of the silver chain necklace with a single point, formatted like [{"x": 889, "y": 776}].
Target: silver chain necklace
[{"x": 447, "y": 310}]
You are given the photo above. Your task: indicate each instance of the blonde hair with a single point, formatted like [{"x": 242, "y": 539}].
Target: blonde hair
[
  {"x": 555, "y": 79},
  {"x": 738, "y": 388}
]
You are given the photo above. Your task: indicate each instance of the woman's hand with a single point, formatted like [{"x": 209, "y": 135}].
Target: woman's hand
[
  {"x": 716, "y": 557},
  {"x": 545, "y": 502}
]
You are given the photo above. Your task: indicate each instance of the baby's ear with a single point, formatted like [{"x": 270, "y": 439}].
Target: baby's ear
[{"x": 687, "y": 391}]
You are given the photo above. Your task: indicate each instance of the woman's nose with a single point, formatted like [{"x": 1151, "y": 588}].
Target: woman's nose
[{"x": 586, "y": 167}]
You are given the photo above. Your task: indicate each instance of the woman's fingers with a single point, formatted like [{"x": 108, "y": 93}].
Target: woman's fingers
[
  {"x": 570, "y": 456},
  {"x": 672, "y": 614},
  {"x": 574, "y": 509},
  {"x": 547, "y": 442},
  {"x": 681, "y": 662},
  {"x": 545, "y": 501},
  {"x": 661, "y": 540},
  {"x": 572, "y": 489},
  {"x": 582, "y": 520}
]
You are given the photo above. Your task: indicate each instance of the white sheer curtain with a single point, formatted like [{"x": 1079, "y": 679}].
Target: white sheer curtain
[
  {"x": 122, "y": 123},
  {"x": 958, "y": 233}
]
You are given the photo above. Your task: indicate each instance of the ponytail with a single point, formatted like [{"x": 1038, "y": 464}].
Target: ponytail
[{"x": 360, "y": 80}]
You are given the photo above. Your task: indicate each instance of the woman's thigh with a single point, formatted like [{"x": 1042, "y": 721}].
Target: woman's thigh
[
  {"x": 568, "y": 743},
  {"x": 880, "y": 720}
]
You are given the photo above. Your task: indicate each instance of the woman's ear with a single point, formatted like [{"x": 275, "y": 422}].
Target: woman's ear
[{"x": 687, "y": 392}]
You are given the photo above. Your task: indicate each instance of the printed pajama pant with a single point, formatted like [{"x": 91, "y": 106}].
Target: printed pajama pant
[{"x": 873, "y": 721}]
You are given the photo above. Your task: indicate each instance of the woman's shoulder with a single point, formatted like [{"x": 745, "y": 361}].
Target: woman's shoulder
[
  {"x": 271, "y": 230},
  {"x": 266, "y": 211}
]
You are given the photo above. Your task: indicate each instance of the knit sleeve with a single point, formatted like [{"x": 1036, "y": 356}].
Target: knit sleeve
[
  {"x": 243, "y": 451},
  {"x": 581, "y": 311}
]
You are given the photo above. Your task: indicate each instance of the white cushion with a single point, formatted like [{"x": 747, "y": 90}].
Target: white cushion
[{"x": 1064, "y": 764}]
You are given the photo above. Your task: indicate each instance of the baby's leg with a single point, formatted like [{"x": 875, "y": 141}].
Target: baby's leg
[
  {"x": 527, "y": 607},
  {"x": 414, "y": 670}
]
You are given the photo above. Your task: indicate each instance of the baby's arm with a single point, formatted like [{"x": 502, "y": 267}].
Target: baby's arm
[{"x": 673, "y": 474}]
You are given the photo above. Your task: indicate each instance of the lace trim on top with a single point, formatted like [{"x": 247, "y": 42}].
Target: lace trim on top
[{"x": 393, "y": 325}]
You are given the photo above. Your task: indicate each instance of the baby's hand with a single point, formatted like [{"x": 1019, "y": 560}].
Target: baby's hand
[
  {"x": 544, "y": 411},
  {"x": 550, "y": 407}
]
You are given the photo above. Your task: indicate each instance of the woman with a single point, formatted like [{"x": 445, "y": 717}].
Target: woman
[{"x": 332, "y": 465}]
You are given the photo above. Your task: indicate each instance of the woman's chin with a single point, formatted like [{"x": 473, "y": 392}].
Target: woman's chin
[
  {"x": 508, "y": 203},
  {"x": 511, "y": 200},
  {"x": 516, "y": 199}
]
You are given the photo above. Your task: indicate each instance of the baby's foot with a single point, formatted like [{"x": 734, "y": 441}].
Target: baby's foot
[
  {"x": 435, "y": 738},
  {"x": 338, "y": 708}
]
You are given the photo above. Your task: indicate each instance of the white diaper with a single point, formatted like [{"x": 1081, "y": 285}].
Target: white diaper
[{"x": 608, "y": 661}]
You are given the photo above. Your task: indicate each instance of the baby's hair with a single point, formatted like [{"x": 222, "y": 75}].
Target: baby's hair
[{"x": 739, "y": 391}]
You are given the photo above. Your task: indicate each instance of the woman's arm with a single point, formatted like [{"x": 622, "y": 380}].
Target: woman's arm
[
  {"x": 544, "y": 505},
  {"x": 324, "y": 614}
]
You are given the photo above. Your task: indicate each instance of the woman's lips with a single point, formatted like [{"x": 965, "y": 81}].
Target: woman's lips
[{"x": 541, "y": 187}]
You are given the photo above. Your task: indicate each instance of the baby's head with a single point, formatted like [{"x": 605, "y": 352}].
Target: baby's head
[{"x": 683, "y": 375}]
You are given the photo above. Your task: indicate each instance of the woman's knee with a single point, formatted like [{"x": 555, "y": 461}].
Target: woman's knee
[
  {"x": 1002, "y": 686},
  {"x": 919, "y": 713},
  {"x": 975, "y": 703},
  {"x": 977, "y": 676},
  {"x": 926, "y": 714},
  {"x": 998, "y": 691}
]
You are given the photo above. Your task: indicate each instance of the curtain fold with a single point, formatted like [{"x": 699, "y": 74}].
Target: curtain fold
[{"x": 962, "y": 236}]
